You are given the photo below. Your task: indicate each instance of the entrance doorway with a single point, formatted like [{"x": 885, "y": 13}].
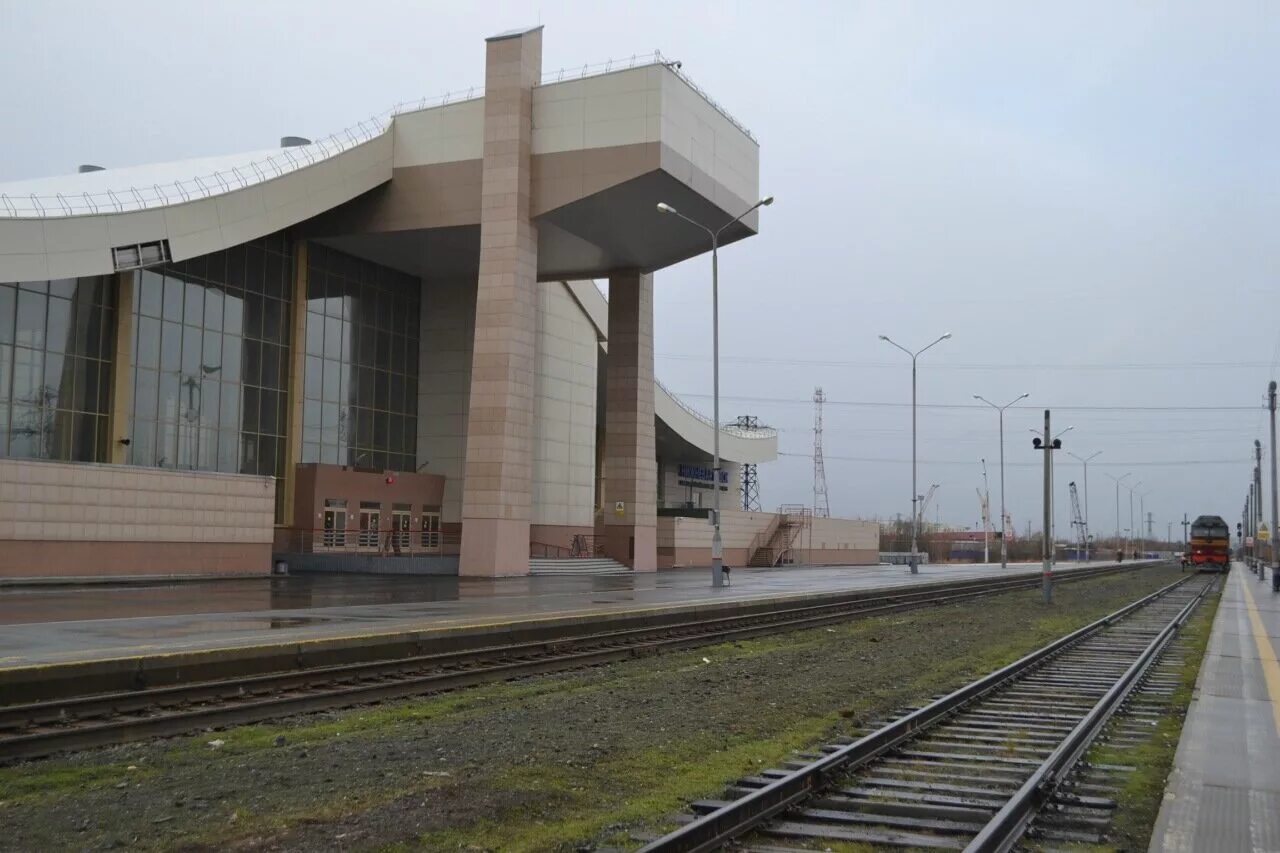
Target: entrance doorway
[
  {"x": 370, "y": 523},
  {"x": 431, "y": 529},
  {"x": 400, "y": 526},
  {"x": 334, "y": 534}
]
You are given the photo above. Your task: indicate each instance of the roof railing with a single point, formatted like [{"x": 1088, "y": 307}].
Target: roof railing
[
  {"x": 298, "y": 157},
  {"x": 728, "y": 429}
]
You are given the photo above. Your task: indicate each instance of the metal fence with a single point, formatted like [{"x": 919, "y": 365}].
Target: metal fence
[{"x": 124, "y": 199}]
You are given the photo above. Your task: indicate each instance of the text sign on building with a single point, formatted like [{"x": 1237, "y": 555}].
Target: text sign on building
[{"x": 700, "y": 477}]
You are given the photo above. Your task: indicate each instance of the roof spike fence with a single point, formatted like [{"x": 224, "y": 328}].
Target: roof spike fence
[{"x": 262, "y": 169}]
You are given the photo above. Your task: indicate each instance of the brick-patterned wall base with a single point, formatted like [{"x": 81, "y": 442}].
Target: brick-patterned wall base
[{"x": 40, "y": 559}]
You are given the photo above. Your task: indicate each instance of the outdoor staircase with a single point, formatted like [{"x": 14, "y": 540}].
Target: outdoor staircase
[
  {"x": 773, "y": 545},
  {"x": 576, "y": 566}
]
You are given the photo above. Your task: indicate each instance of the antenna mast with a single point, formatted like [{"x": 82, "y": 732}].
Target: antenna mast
[
  {"x": 750, "y": 475},
  {"x": 821, "y": 504}
]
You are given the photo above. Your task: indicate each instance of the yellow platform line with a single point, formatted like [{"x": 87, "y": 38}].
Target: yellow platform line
[{"x": 1266, "y": 653}]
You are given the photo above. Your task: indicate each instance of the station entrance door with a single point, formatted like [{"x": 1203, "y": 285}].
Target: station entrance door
[{"x": 431, "y": 529}]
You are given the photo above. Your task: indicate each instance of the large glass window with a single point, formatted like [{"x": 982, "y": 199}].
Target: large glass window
[
  {"x": 360, "y": 383},
  {"x": 56, "y": 341},
  {"x": 210, "y": 375}
]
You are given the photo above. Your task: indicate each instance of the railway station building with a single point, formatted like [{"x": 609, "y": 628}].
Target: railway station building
[{"x": 390, "y": 343}]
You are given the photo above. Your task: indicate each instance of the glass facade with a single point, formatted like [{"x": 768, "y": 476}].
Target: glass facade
[
  {"x": 56, "y": 342},
  {"x": 210, "y": 361},
  {"x": 360, "y": 387}
]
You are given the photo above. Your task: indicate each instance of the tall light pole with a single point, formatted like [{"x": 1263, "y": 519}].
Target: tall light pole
[
  {"x": 1085, "y": 460},
  {"x": 1053, "y": 511},
  {"x": 1119, "y": 481},
  {"x": 1132, "y": 530},
  {"x": 915, "y": 516},
  {"x": 986, "y": 527},
  {"x": 1275, "y": 506},
  {"x": 1047, "y": 445},
  {"x": 1004, "y": 549},
  {"x": 717, "y": 544},
  {"x": 1142, "y": 519}
]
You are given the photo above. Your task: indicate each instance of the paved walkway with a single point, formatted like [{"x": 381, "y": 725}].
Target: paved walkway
[
  {"x": 1224, "y": 792},
  {"x": 41, "y": 626}
]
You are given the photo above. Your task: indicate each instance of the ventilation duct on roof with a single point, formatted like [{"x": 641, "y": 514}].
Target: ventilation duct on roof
[{"x": 293, "y": 141}]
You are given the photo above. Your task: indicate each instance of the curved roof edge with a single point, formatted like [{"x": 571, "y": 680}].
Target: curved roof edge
[
  {"x": 81, "y": 244},
  {"x": 736, "y": 444}
]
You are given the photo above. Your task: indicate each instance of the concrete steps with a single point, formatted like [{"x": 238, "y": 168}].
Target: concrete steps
[{"x": 572, "y": 566}]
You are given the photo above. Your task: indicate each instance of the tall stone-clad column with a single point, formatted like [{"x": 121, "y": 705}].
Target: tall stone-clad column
[
  {"x": 293, "y": 421},
  {"x": 630, "y": 462},
  {"x": 497, "y": 492},
  {"x": 122, "y": 369}
]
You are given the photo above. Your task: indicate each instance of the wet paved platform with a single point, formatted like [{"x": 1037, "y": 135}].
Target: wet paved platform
[
  {"x": 1224, "y": 792},
  {"x": 63, "y": 625}
]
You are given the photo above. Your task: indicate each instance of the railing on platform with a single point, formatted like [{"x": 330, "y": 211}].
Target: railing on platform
[
  {"x": 581, "y": 546},
  {"x": 379, "y": 543}
]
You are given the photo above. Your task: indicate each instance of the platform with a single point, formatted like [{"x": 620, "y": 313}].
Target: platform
[
  {"x": 1224, "y": 792},
  {"x": 64, "y": 625}
]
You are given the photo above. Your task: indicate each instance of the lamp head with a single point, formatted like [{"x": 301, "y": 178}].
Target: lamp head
[
  {"x": 766, "y": 201},
  {"x": 945, "y": 337},
  {"x": 663, "y": 207},
  {"x": 882, "y": 337}
]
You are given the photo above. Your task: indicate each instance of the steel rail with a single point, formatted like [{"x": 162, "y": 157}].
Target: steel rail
[
  {"x": 715, "y": 828},
  {"x": 104, "y": 719},
  {"x": 1006, "y": 828}
]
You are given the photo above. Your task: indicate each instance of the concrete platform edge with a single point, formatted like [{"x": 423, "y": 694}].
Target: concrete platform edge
[{"x": 47, "y": 681}]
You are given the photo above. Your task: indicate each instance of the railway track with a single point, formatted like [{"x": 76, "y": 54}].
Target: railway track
[
  {"x": 974, "y": 769},
  {"x": 43, "y": 728}
]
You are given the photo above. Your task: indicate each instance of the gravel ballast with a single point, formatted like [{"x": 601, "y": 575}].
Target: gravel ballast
[{"x": 570, "y": 761}]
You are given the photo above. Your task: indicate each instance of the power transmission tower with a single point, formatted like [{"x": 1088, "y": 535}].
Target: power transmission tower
[
  {"x": 750, "y": 475},
  {"x": 821, "y": 504}
]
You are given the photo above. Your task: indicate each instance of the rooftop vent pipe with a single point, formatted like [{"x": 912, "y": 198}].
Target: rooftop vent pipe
[
  {"x": 88, "y": 167},
  {"x": 293, "y": 141}
]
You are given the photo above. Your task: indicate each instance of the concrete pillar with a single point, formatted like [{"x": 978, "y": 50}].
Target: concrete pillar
[
  {"x": 297, "y": 366},
  {"x": 121, "y": 370},
  {"x": 497, "y": 492},
  {"x": 630, "y": 462}
]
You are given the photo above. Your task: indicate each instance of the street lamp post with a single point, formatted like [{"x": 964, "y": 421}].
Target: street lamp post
[
  {"x": 1119, "y": 481},
  {"x": 1053, "y": 511},
  {"x": 717, "y": 544},
  {"x": 1132, "y": 530},
  {"x": 1085, "y": 460},
  {"x": 1142, "y": 519},
  {"x": 1004, "y": 550},
  {"x": 913, "y": 561}
]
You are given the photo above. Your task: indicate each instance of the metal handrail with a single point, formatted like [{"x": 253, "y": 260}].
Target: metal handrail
[
  {"x": 217, "y": 183},
  {"x": 728, "y": 429},
  {"x": 59, "y": 206},
  {"x": 640, "y": 60},
  {"x": 381, "y": 542}
]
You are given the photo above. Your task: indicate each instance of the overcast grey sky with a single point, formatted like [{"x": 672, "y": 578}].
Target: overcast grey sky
[{"x": 1086, "y": 195}]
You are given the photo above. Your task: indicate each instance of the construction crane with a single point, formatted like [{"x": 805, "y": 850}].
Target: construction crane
[
  {"x": 1077, "y": 519},
  {"x": 924, "y": 503}
]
